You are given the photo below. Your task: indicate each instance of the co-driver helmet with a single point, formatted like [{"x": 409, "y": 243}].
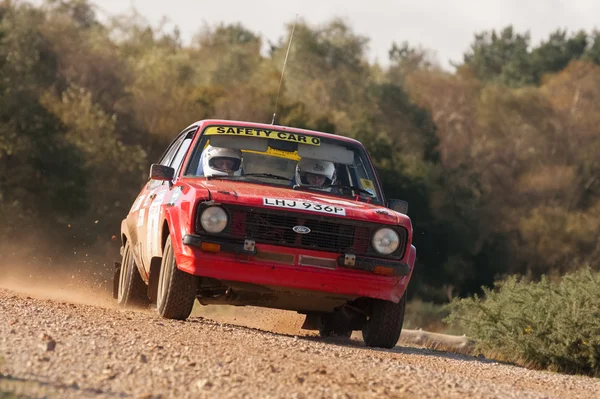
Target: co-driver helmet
[{"x": 312, "y": 172}]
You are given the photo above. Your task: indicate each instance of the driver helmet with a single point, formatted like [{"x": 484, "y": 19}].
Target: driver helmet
[
  {"x": 311, "y": 172},
  {"x": 220, "y": 161}
]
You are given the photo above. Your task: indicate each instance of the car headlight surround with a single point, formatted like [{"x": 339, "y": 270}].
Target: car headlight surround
[
  {"x": 385, "y": 241},
  {"x": 214, "y": 219}
]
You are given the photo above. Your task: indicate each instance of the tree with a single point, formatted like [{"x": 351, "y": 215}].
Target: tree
[
  {"x": 41, "y": 181},
  {"x": 592, "y": 53},
  {"x": 114, "y": 171},
  {"x": 555, "y": 54},
  {"x": 327, "y": 71},
  {"x": 501, "y": 57},
  {"x": 405, "y": 60}
]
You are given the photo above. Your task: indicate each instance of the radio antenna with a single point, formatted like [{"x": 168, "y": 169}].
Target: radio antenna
[{"x": 283, "y": 70}]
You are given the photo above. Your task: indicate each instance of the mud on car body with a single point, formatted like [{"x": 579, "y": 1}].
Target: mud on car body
[{"x": 264, "y": 215}]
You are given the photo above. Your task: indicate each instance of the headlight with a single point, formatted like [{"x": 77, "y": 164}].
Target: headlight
[
  {"x": 214, "y": 219},
  {"x": 386, "y": 241}
]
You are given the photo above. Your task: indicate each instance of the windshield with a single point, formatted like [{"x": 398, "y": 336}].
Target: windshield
[{"x": 277, "y": 157}]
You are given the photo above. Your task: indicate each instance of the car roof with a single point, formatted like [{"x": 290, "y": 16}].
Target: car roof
[{"x": 227, "y": 122}]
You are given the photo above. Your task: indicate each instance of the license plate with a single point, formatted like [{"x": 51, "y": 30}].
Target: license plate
[{"x": 304, "y": 205}]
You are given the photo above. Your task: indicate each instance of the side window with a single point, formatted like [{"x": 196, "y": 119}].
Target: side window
[
  {"x": 365, "y": 177},
  {"x": 170, "y": 153},
  {"x": 174, "y": 154},
  {"x": 180, "y": 155}
]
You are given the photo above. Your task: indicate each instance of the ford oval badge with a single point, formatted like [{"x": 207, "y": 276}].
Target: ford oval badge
[{"x": 301, "y": 229}]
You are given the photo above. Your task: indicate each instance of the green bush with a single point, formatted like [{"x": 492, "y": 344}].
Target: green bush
[{"x": 545, "y": 324}]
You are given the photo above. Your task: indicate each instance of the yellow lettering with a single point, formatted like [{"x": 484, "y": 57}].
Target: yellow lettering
[{"x": 271, "y": 134}]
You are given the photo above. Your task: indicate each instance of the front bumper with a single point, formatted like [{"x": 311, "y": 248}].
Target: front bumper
[
  {"x": 272, "y": 265},
  {"x": 358, "y": 262}
]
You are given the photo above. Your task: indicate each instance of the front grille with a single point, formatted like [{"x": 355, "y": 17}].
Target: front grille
[{"x": 326, "y": 233}]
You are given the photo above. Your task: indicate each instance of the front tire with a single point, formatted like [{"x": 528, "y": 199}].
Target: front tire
[
  {"x": 176, "y": 289},
  {"x": 385, "y": 324},
  {"x": 132, "y": 291}
]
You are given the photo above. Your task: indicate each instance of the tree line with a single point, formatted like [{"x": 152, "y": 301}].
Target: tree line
[{"x": 498, "y": 158}]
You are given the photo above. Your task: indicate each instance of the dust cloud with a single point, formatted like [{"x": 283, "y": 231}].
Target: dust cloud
[{"x": 91, "y": 284}]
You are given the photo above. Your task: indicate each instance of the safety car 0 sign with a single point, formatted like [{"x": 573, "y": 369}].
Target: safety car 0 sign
[
  {"x": 304, "y": 205},
  {"x": 264, "y": 133}
]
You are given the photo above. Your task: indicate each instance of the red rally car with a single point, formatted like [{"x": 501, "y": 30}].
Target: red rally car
[{"x": 264, "y": 215}]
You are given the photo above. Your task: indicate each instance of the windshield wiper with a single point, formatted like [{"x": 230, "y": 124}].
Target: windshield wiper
[
  {"x": 223, "y": 177},
  {"x": 267, "y": 175},
  {"x": 354, "y": 188}
]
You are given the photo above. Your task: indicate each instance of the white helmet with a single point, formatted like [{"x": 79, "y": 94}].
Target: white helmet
[
  {"x": 307, "y": 167},
  {"x": 213, "y": 155}
]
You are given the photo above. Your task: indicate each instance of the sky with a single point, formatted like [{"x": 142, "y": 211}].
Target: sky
[{"x": 445, "y": 26}]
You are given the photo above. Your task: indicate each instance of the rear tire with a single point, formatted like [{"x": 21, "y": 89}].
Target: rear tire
[
  {"x": 176, "y": 289},
  {"x": 385, "y": 324},
  {"x": 132, "y": 291},
  {"x": 335, "y": 325}
]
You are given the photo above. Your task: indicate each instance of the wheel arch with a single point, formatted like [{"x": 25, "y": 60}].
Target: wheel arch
[
  {"x": 125, "y": 233},
  {"x": 165, "y": 232},
  {"x": 156, "y": 262}
]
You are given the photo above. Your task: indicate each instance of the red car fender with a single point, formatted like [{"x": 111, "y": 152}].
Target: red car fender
[
  {"x": 180, "y": 217},
  {"x": 176, "y": 218},
  {"x": 398, "y": 293},
  {"x": 177, "y": 227},
  {"x": 412, "y": 258}
]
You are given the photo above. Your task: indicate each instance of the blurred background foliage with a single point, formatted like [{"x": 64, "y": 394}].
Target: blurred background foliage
[{"x": 498, "y": 159}]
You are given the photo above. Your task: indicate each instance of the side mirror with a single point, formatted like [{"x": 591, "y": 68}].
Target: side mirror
[
  {"x": 161, "y": 172},
  {"x": 398, "y": 205}
]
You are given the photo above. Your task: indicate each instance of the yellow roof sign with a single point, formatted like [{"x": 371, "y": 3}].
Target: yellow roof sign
[{"x": 264, "y": 133}]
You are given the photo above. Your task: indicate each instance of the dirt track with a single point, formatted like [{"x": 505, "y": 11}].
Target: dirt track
[{"x": 105, "y": 352}]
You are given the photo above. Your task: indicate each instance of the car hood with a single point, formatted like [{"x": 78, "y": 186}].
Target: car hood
[{"x": 260, "y": 195}]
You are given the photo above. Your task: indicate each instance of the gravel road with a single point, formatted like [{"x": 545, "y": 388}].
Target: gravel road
[{"x": 69, "y": 343}]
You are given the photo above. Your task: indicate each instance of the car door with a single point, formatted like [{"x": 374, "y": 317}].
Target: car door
[
  {"x": 149, "y": 196},
  {"x": 159, "y": 194}
]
